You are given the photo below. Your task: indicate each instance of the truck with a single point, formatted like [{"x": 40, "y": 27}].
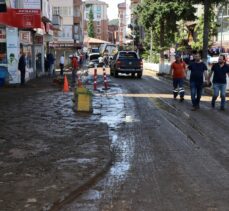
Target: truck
[{"x": 127, "y": 62}]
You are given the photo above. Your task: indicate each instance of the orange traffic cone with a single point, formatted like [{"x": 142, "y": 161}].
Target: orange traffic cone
[{"x": 66, "y": 88}]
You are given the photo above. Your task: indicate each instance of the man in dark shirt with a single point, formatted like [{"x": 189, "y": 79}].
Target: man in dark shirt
[
  {"x": 21, "y": 67},
  {"x": 198, "y": 70},
  {"x": 219, "y": 81}
]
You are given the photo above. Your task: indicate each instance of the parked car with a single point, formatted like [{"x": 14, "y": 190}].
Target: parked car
[
  {"x": 108, "y": 48},
  {"x": 95, "y": 50},
  {"x": 215, "y": 59},
  {"x": 94, "y": 59},
  {"x": 127, "y": 62}
]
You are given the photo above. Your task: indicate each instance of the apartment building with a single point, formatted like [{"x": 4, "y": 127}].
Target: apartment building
[
  {"x": 99, "y": 9},
  {"x": 222, "y": 40},
  {"x": 122, "y": 23},
  {"x": 113, "y": 33},
  {"x": 70, "y": 36}
]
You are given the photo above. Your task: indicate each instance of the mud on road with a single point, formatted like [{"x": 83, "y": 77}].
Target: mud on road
[
  {"x": 47, "y": 151},
  {"x": 167, "y": 157}
]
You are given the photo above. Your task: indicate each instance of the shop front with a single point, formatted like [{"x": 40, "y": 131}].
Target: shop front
[
  {"x": 3, "y": 55},
  {"x": 26, "y": 46}
]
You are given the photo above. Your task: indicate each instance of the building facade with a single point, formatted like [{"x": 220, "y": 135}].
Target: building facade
[
  {"x": 122, "y": 23},
  {"x": 99, "y": 10},
  {"x": 113, "y": 33},
  {"x": 23, "y": 28},
  {"x": 69, "y": 38}
]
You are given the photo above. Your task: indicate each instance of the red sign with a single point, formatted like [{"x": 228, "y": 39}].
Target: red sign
[{"x": 21, "y": 18}]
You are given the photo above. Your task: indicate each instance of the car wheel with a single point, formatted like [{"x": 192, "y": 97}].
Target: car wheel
[
  {"x": 139, "y": 75},
  {"x": 132, "y": 75}
]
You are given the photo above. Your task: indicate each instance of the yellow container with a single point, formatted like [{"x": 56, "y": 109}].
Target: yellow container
[{"x": 83, "y": 99}]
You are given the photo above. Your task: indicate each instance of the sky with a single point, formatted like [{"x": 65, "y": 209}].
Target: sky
[{"x": 112, "y": 10}]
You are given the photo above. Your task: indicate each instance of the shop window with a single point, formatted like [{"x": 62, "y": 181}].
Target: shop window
[
  {"x": 28, "y": 55},
  {"x": 3, "y": 55}
]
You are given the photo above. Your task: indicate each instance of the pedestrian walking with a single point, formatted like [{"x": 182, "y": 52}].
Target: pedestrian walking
[
  {"x": 198, "y": 72},
  {"x": 178, "y": 72},
  {"x": 220, "y": 70},
  {"x": 51, "y": 61},
  {"x": 21, "y": 67},
  {"x": 62, "y": 65},
  {"x": 75, "y": 67}
]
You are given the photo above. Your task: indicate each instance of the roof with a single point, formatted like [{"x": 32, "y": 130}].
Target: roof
[
  {"x": 95, "y": 2},
  {"x": 94, "y": 40}
]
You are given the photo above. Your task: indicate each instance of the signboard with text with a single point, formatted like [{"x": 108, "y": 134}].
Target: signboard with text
[
  {"x": 21, "y": 18},
  {"x": 25, "y": 37}
]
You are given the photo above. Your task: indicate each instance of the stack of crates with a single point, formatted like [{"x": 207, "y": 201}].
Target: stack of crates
[{"x": 83, "y": 99}]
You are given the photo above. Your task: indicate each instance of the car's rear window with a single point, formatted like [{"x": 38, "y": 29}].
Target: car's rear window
[
  {"x": 128, "y": 55},
  {"x": 92, "y": 57}
]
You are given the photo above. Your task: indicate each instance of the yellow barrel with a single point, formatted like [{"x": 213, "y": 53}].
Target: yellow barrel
[{"x": 83, "y": 98}]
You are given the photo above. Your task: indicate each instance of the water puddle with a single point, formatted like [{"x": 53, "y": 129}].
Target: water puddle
[{"x": 114, "y": 115}]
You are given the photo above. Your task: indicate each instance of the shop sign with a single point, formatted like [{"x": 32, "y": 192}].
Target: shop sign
[
  {"x": 21, "y": 18},
  {"x": 25, "y": 37},
  {"x": 2, "y": 35}
]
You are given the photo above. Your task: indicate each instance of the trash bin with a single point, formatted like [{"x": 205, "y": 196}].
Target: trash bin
[
  {"x": 83, "y": 99},
  {"x": 3, "y": 75}
]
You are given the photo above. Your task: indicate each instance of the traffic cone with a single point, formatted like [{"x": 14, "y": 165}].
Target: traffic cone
[{"x": 66, "y": 87}]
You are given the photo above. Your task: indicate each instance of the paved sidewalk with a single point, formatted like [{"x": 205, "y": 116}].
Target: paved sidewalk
[{"x": 48, "y": 152}]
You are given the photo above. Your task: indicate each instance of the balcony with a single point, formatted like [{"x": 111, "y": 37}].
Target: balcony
[
  {"x": 57, "y": 22},
  {"x": 135, "y": 1}
]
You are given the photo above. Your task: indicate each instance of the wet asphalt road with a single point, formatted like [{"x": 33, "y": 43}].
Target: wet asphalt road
[{"x": 167, "y": 157}]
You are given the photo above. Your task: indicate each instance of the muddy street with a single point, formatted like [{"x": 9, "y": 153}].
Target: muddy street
[{"x": 167, "y": 157}]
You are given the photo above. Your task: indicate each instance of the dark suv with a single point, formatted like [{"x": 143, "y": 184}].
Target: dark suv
[{"x": 127, "y": 62}]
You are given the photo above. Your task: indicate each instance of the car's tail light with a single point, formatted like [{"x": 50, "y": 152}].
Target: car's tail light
[{"x": 118, "y": 63}]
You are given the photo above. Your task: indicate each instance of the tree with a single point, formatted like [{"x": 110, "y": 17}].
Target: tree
[
  {"x": 197, "y": 44},
  {"x": 114, "y": 22},
  {"x": 90, "y": 29},
  {"x": 161, "y": 17},
  {"x": 207, "y": 7}
]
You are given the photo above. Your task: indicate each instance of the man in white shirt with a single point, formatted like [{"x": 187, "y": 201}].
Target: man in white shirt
[{"x": 62, "y": 65}]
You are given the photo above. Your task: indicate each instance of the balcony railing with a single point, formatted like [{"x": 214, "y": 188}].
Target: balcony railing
[{"x": 57, "y": 20}]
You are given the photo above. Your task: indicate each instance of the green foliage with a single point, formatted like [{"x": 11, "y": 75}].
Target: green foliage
[
  {"x": 181, "y": 36},
  {"x": 161, "y": 17},
  {"x": 114, "y": 22},
  {"x": 199, "y": 31},
  {"x": 155, "y": 58},
  {"x": 90, "y": 27}
]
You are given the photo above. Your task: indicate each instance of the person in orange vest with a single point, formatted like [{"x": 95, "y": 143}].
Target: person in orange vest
[
  {"x": 75, "y": 67},
  {"x": 178, "y": 72}
]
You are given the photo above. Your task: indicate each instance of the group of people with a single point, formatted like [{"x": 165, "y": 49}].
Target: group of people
[{"x": 199, "y": 74}]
